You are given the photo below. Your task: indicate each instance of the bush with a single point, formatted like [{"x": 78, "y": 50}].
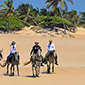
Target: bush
[
  {"x": 14, "y": 23},
  {"x": 53, "y": 21}
]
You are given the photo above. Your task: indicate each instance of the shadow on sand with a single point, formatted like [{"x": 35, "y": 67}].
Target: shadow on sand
[
  {"x": 11, "y": 75},
  {"x": 46, "y": 73},
  {"x": 30, "y": 76}
]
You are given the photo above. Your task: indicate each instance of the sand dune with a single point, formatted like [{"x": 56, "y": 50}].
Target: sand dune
[
  {"x": 71, "y": 58},
  {"x": 80, "y": 32}
]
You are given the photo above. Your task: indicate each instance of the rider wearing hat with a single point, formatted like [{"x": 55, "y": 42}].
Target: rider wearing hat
[
  {"x": 13, "y": 50},
  {"x": 34, "y": 50},
  {"x": 50, "y": 48}
]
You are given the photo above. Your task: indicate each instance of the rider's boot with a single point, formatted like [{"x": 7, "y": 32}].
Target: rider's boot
[
  {"x": 42, "y": 60},
  {"x": 45, "y": 60},
  {"x": 56, "y": 62}
]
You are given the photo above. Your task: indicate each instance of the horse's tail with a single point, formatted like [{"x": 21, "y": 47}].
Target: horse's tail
[
  {"x": 27, "y": 63},
  {"x": 3, "y": 65}
]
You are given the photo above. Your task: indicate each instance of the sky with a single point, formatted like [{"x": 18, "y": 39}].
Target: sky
[{"x": 79, "y": 5}]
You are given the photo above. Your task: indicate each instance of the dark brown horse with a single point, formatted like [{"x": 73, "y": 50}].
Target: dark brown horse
[{"x": 14, "y": 61}]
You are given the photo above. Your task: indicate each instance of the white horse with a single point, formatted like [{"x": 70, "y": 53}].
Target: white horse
[{"x": 36, "y": 63}]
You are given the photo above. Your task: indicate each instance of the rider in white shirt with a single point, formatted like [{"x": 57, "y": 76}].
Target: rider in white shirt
[
  {"x": 13, "y": 49},
  {"x": 51, "y": 47}
]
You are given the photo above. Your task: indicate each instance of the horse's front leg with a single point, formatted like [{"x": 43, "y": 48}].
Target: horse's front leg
[
  {"x": 18, "y": 70},
  {"x": 48, "y": 67},
  {"x": 11, "y": 69},
  {"x": 33, "y": 69},
  {"x": 53, "y": 67},
  {"x": 7, "y": 69}
]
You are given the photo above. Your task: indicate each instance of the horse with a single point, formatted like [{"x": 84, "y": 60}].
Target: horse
[
  {"x": 50, "y": 61},
  {"x": 14, "y": 61},
  {"x": 36, "y": 63},
  {"x": 1, "y": 54}
]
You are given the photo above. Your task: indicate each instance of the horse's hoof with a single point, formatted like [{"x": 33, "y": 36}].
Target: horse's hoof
[
  {"x": 37, "y": 76},
  {"x": 6, "y": 74},
  {"x": 11, "y": 74},
  {"x": 33, "y": 75},
  {"x": 18, "y": 75},
  {"x": 53, "y": 72},
  {"x": 48, "y": 72}
]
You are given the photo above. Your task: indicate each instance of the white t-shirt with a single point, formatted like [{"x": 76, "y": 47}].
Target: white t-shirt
[
  {"x": 50, "y": 47},
  {"x": 13, "y": 49}
]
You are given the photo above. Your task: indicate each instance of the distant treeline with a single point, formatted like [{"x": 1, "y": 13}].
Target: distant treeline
[{"x": 26, "y": 15}]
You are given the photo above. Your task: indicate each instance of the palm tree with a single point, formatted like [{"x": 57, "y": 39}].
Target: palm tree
[
  {"x": 7, "y": 10},
  {"x": 24, "y": 12},
  {"x": 73, "y": 17},
  {"x": 43, "y": 12},
  {"x": 54, "y": 4},
  {"x": 82, "y": 18},
  {"x": 55, "y": 13}
]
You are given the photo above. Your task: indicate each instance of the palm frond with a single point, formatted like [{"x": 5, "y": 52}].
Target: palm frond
[
  {"x": 66, "y": 7},
  {"x": 50, "y": 4},
  {"x": 54, "y": 6},
  {"x": 48, "y": 1},
  {"x": 70, "y": 1},
  {"x": 3, "y": 6},
  {"x": 62, "y": 3},
  {"x": 12, "y": 8},
  {"x": 22, "y": 16},
  {"x": 5, "y": 2}
]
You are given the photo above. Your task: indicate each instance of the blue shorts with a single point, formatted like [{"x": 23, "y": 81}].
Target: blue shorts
[{"x": 10, "y": 55}]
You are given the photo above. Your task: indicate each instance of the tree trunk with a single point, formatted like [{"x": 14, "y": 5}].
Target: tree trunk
[
  {"x": 8, "y": 24},
  {"x": 63, "y": 21}
]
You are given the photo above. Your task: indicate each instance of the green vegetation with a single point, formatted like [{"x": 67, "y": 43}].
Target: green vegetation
[
  {"x": 15, "y": 23},
  {"x": 26, "y": 15},
  {"x": 53, "y": 21}
]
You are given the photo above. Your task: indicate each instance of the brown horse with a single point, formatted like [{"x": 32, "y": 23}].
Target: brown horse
[
  {"x": 50, "y": 61},
  {"x": 14, "y": 61}
]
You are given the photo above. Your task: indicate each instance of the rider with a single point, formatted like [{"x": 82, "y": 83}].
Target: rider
[
  {"x": 34, "y": 50},
  {"x": 50, "y": 48},
  {"x": 13, "y": 50}
]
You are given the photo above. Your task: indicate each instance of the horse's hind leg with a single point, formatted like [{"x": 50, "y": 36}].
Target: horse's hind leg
[
  {"x": 18, "y": 70},
  {"x": 37, "y": 68},
  {"x": 7, "y": 69}
]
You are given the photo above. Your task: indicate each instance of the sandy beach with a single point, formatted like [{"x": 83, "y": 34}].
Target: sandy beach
[{"x": 71, "y": 59}]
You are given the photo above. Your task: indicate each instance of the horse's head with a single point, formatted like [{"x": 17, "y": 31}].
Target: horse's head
[
  {"x": 1, "y": 54},
  {"x": 37, "y": 55},
  {"x": 51, "y": 53},
  {"x": 39, "y": 52},
  {"x": 17, "y": 56}
]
